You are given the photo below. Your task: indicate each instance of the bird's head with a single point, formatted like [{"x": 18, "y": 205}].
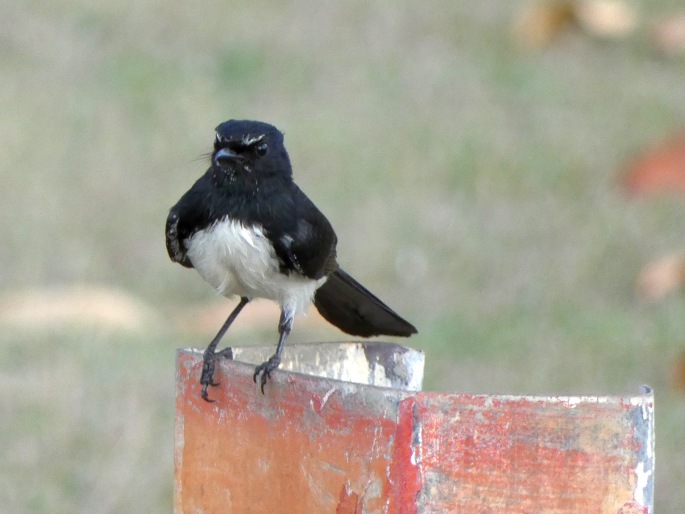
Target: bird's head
[{"x": 253, "y": 149}]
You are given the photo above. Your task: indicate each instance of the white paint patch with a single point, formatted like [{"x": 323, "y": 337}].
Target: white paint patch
[
  {"x": 417, "y": 445},
  {"x": 328, "y": 394},
  {"x": 643, "y": 474},
  {"x": 239, "y": 260}
]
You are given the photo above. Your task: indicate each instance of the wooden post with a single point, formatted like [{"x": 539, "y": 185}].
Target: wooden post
[{"x": 332, "y": 443}]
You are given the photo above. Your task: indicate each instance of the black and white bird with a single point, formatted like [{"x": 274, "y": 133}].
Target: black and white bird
[{"x": 250, "y": 232}]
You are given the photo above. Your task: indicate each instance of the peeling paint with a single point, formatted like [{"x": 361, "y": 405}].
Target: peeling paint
[
  {"x": 642, "y": 415},
  {"x": 325, "y": 445}
]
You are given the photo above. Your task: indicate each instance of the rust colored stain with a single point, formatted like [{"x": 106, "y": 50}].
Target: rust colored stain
[
  {"x": 253, "y": 453},
  {"x": 404, "y": 480},
  {"x": 349, "y": 502},
  {"x": 312, "y": 445}
]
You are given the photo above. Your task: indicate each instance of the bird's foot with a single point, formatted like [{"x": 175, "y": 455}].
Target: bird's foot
[
  {"x": 208, "y": 367},
  {"x": 263, "y": 371}
]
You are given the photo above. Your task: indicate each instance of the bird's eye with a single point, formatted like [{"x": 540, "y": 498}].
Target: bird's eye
[{"x": 262, "y": 149}]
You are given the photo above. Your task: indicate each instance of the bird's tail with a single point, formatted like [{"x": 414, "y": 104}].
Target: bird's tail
[{"x": 352, "y": 308}]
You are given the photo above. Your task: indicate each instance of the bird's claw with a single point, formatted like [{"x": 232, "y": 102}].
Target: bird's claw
[
  {"x": 208, "y": 368},
  {"x": 263, "y": 371},
  {"x": 205, "y": 395}
]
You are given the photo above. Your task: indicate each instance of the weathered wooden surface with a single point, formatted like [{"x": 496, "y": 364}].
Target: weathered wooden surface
[{"x": 319, "y": 445}]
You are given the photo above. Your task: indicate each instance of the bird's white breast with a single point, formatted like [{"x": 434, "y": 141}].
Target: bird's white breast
[{"x": 240, "y": 260}]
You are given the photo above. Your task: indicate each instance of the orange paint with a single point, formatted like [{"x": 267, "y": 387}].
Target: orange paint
[{"x": 313, "y": 445}]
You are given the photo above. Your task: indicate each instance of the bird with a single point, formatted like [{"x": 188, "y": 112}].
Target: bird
[{"x": 250, "y": 232}]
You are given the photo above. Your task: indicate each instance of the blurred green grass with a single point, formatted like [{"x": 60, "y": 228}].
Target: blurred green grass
[{"x": 428, "y": 138}]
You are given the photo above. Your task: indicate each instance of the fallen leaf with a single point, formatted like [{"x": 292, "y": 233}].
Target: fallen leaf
[
  {"x": 662, "y": 277},
  {"x": 539, "y": 24},
  {"x": 606, "y": 18},
  {"x": 76, "y": 305},
  {"x": 677, "y": 374},
  {"x": 668, "y": 34},
  {"x": 660, "y": 169}
]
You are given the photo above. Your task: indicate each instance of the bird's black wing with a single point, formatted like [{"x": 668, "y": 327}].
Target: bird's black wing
[
  {"x": 302, "y": 237},
  {"x": 192, "y": 212},
  {"x": 305, "y": 242},
  {"x": 348, "y": 305}
]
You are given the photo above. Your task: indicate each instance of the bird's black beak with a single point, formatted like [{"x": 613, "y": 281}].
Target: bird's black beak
[{"x": 224, "y": 156}]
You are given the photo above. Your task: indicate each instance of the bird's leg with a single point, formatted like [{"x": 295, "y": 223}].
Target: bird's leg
[
  {"x": 210, "y": 355},
  {"x": 263, "y": 371}
]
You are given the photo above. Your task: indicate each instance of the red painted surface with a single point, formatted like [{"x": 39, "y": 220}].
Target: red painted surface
[
  {"x": 522, "y": 455},
  {"x": 313, "y": 445},
  {"x": 404, "y": 479}
]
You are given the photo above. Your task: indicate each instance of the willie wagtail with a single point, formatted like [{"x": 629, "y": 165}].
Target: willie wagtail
[{"x": 249, "y": 231}]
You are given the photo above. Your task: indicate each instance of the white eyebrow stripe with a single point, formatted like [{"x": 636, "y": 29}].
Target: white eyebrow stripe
[{"x": 249, "y": 140}]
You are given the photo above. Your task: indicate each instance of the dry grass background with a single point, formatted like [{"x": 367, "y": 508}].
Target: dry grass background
[{"x": 426, "y": 135}]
